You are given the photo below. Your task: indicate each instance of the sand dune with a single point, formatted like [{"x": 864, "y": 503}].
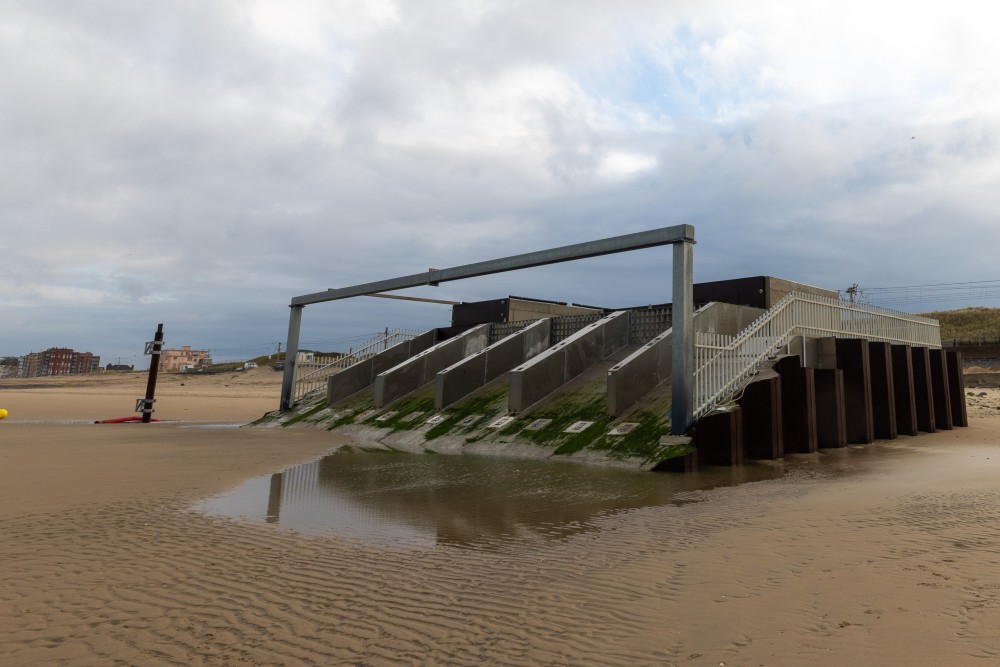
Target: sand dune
[{"x": 886, "y": 555}]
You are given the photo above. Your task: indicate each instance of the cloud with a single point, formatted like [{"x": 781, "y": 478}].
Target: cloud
[{"x": 200, "y": 164}]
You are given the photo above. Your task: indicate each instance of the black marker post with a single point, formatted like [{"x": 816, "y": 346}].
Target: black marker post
[{"x": 145, "y": 406}]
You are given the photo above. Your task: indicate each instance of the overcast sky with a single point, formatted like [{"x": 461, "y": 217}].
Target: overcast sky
[{"x": 199, "y": 163}]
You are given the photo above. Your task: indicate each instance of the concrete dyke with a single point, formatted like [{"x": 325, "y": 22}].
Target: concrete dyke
[
  {"x": 410, "y": 375},
  {"x": 831, "y": 418},
  {"x": 361, "y": 375},
  {"x": 902, "y": 381},
  {"x": 798, "y": 405},
  {"x": 939, "y": 387},
  {"x": 650, "y": 365},
  {"x": 535, "y": 379},
  {"x": 638, "y": 374},
  {"x": 956, "y": 388},
  {"x": 923, "y": 389},
  {"x": 461, "y": 379},
  {"x": 719, "y": 439},
  {"x": 883, "y": 390},
  {"x": 760, "y": 410}
]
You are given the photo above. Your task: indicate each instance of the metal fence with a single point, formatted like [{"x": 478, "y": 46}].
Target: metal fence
[
  {"x": 500, "y": 330},
  {"x": 723, "y": 364},
  {"x": 564, "y": 327},
  {"x": 310, "y": 377},
  {"x": 647, "y": 323}
]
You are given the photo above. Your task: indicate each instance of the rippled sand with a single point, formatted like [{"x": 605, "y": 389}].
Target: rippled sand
[{"x": 887, "y": 555}]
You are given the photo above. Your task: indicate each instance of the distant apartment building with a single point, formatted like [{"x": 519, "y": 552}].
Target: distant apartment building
[
  {"x": 175, "y": 360},
  {"x": 58, "y": 361}
]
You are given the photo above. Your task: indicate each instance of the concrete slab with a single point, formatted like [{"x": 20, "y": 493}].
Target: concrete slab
[
  {"x": 537, "y": 378},
  {"x": 410, "y": 375},
  {"x": 362, "y": 375},
  {"x": 650, "y": 365}
]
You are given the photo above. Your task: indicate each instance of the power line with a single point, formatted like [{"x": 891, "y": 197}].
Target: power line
[{"x": 974, "y": 290}]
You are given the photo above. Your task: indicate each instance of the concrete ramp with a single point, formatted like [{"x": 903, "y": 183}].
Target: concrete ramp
[
  {"x": 420, "y": 369},
  {"x": 362, "y": 375},
  {"x": 534, "y": 380},
  {"x": 474, "y": 372},
  {"x": 650, "y": 365}
]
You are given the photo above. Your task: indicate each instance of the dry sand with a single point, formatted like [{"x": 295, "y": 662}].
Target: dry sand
[{"x": 102, "y": 561}]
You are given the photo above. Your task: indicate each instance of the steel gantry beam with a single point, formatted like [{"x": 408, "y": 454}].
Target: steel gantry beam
[{"x": 680, "y": 236}]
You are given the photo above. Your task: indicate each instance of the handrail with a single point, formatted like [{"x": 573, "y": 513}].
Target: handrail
[
  {"x": 723, "y": 367},
  {"x": 316, "y": 378}
]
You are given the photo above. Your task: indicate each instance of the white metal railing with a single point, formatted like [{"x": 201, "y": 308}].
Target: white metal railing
[
  {"x": 724, "y": 363},
  {"x": 312, "y": 376}
]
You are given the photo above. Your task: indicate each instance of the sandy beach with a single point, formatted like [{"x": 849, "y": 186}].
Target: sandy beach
[{"x": 879, "y": 555}]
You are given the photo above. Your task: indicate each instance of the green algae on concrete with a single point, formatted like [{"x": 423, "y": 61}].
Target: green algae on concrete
[{"x": 584, "y": 402}]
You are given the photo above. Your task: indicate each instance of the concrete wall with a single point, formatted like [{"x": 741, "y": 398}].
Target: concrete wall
[
  {"x": 417, "y": 371},
  {"x": 778, "y": 288},
  {"x": 539, "y": 377},
  {"x": 519, "y": 310},
  {"x": 650, "y": 365},
  {"x": 461, "y": 379},
  {"x": 361, "y": 375}
]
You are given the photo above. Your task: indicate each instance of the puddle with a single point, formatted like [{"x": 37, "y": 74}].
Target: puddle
[{"x": 422, "y": 500}]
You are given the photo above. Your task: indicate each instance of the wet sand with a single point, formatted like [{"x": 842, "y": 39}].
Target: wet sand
[{"x": 885, "y": 555}]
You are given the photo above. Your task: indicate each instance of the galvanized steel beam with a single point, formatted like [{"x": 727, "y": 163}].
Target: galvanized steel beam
[{"x": 680, "y": 236}]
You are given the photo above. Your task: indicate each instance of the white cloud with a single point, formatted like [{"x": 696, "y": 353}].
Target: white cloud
[{"x": 202, "y": 163}]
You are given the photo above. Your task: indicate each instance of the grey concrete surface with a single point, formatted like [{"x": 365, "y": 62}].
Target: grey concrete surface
[
  {"x": 461, "y": 379},
  {"x": 546, "y": 372},
  {"x": 361, "y": 375},
  {"x": 406, "y": 377},
  {"x": 651, "y": 364}
]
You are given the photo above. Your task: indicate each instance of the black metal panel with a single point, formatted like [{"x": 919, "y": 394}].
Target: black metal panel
[
  {"x": 852, "y": 358},
  {"x": 479, "y": 312},
  {"x": 739, "y": 291}
]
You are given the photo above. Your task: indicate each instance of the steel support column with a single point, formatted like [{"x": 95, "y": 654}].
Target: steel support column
[
  {"x": 291, "y": 353},
  {"x": 682, "y": 373}
]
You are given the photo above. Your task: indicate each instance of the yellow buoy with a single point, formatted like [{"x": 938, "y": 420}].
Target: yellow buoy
[{"x": 3, "y": 413}]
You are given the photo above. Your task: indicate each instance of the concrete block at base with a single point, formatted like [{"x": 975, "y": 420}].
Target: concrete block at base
[
  {"x": 461, "y": 379},
  {"x": 831, "y": 419},
  {"x": 640, "y": 373},
  {"x": 956, "y": 388},
  {"x": 923, "y": 389},
  {"x": 719, "y": 439},
  {"x": 902, "y": 382},
  {"x": 361, "y": 375},
  {"x": 883, "y": 391},
  {"x": 760, "y": 409},
  {"x": 798, "y": 405},
  {"x": 939, "y": 387},
  {"x": 686, "y": 463},
  {"x": 852, "y": 358},
  {"x": 535, "y": 379},
  {"x": 400, "y": 380},
  {"x": 650, "y": 365}
]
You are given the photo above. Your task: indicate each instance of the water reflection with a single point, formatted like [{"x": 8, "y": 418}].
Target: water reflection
[{"x": 423, "y": 500}]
